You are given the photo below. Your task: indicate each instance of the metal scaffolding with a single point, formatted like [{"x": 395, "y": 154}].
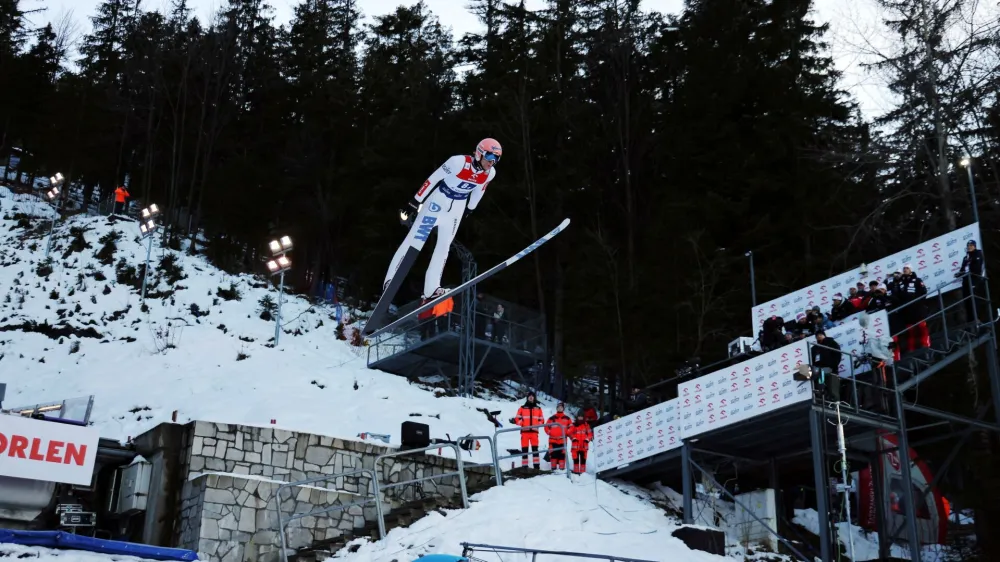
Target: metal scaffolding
[
  {"x": 466, "y": 346},
  {"x": 873, "y": 406}
]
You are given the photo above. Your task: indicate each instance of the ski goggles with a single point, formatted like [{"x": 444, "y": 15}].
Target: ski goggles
[{"x": 491, "y": 157}]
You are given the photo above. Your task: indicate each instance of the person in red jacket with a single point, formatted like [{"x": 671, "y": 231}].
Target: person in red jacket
[
  {"x": 590, "y": 414},
  {"x": 581, "y": 434},
  {"x": 529, "y": 414},
  {"x": 557, "y": 437}
]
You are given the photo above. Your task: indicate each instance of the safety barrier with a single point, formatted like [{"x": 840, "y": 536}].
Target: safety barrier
[
  {"x": 497, "y": 459},
  {"x": 469, "y": 548},
  {"x": 374, "y": 497},
  {"x": 460, "y": 473}
]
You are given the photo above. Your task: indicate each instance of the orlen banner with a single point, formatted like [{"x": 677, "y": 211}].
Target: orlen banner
[
  {"x": 934, "y": 261},
  {"x": 635, "y": 437},
  {"x": 49, "y": 451},
  {"x": 931, "y": 512}
]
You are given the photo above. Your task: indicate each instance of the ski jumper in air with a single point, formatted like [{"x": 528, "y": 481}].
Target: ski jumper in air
[{"x": 449, "y": 194}]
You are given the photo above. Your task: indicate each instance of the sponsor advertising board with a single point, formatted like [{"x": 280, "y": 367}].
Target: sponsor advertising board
[
  {"x": 634, "y": 437},
  {"x": 49, "y": 451},
  {"x": 934, "y": 261},
  {"x": 748, "y": 389}
]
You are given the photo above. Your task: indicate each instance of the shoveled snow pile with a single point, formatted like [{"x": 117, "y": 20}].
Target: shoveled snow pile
[
  {"x": 74, "y": 327},
  {"x": 548, "y": 512}
]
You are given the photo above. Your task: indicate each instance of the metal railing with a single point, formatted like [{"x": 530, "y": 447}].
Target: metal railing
[
  {"x": 469, "y": 548},
  {"x": 517, "y": 337},
  {"x": 460, "y": 473},
  {"x": 373, "y": 497},
  {"x": 748, "y": 511},
  {"x": 523, "y": 454}
]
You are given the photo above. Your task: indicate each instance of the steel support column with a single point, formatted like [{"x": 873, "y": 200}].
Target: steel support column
[
  {"x": 904, "y": 453},
  {"x": 816, "y": 420},
  {"x": 687, "y": 486},
  {"x": 466, "y": 343}
]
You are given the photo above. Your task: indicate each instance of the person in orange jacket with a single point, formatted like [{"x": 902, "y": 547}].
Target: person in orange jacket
[
  {"x": 439, "y": 313},
  {"x": 120, "y": 194},
  {"x": 529, "y": 414},
  {"x": 557, "y": 437},
  {"x": 581, "y": 434}
]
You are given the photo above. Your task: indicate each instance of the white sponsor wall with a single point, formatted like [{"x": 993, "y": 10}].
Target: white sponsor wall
[
  {"x": 934, "y": 261},
  {"x": 634, "y": 437},
  {"x": 748, "y": 389},
  {"x": 49, "y": 451}
]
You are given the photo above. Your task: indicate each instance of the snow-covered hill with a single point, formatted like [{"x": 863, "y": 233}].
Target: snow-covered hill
[
  {"x": 548, "y": 513},
  {"x": 75, "y": 327}
]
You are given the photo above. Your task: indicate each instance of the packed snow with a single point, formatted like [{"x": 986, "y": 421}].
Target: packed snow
[
  {"x": 548, "y": 513},
  {"x": 194, "y": 351}
]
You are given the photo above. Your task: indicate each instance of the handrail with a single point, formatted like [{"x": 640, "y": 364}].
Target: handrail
[
  {"x": 855, "y": 402},
  {"x": 460, "y": 473},
  {"x": 468, "y": 548},
  {"x": 497, "y": 459},
  {"x": 277, "y": 501}
]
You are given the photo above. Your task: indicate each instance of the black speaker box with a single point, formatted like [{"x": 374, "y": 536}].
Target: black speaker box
[
  {"x": 415, "y": 435},
  {"x": 706, "y": 540}
]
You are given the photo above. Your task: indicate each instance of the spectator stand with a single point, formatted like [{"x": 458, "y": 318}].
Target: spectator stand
[
  {"x": 467, "y": 343},
  {"x": 878, "y": 403}
]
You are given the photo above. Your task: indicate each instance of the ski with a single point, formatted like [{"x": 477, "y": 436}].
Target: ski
[
  {"x": 481, "y": 277},
  {"x": 385, "y": 301}
]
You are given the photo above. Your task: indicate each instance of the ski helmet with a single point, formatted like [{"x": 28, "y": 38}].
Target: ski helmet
[{"x": 489, "y": 149}]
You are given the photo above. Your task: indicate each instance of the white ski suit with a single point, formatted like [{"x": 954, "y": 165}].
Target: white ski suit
[{"x": 458, "y": 184}]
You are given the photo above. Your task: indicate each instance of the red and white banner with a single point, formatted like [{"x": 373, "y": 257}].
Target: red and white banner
[
  {"x": 636, "y": 436},
  {"x": 765, "y": 383},
  {"x": 934, "y": 261},
  {"x": 49, "y": 451},
  {"x": 929, "y": 505}
]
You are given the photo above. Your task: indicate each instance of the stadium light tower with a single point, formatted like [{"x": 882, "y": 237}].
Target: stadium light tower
[
  {"x": 147, "y": 227},
  {"x": 966, "y": 163},
  {"x": 54, "y": 196},
  {"x": 278, "y": 266}
]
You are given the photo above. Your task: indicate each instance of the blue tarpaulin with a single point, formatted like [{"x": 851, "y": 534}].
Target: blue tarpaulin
[{"x": 59, "y": 539}]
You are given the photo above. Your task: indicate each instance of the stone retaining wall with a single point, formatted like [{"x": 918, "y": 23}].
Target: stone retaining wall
[{"x": 232, "y": 472}]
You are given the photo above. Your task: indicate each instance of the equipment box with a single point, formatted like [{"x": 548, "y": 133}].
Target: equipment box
[{"x": 134, "y": 487}]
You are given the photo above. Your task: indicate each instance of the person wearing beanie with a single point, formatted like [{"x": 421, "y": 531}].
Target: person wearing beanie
[
  {"x": 581, "y": 434},
  {"x": 529, "y": 415},
  {"x": 557, "y": 437}
]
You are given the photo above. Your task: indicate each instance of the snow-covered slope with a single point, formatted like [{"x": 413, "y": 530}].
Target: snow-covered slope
[
  {"x": 74, "y": 327},
  {"x": 193, "y": 351},
  {"x": 548, "y": 513}
]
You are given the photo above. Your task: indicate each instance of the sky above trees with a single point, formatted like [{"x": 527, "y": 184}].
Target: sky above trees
[{"x": 853, "y": 26}]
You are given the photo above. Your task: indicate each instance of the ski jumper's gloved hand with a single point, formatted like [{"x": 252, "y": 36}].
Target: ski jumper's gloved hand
[{"x": 409, "y": 212}]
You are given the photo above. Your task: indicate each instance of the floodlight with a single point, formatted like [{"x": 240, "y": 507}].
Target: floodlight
[
  {"x": 284, "y": 262},
  {"x": 275, "y": 246},
  {"x": 403, "y": 215},
  {"x": 154, "y": 209},
  {"x": 143, "y": 229},
  {"x": 286, "y": 243},
  {"x": 151, "y": 225},
  {"x": 964, "y": 162},
  {"x": 272, "y": 266}
]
